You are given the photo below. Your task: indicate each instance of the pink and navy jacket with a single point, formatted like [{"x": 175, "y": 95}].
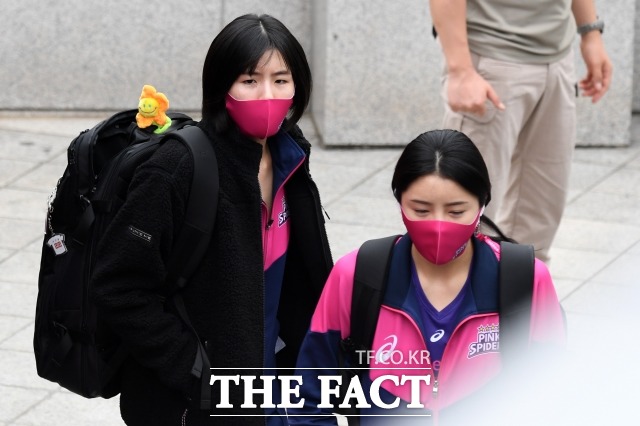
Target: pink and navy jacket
[
  {"x": 287, "y": 157},
  {"x": 471, "y": 358}
]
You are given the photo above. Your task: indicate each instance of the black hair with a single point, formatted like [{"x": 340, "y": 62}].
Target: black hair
[
  {"x": 451, "y": 155},
  {"x": 237, "y": 49},
  {"x": 447, "y": 153}
]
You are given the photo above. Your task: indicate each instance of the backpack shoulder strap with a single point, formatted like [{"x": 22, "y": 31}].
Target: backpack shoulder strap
[
  {"x": 516, "y": 294},
  {"x": 202, "y": 206},
  {"x": 369, "y": 285},
  {"x": 195, "y": 235}
]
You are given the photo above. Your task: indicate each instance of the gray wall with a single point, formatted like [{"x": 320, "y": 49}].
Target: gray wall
[
  {"x": 377, "y": 70},
  {"x": 97, "y": 55},
  {"x": 636, "y": 59},
  {"x": 376, "y": 67}
]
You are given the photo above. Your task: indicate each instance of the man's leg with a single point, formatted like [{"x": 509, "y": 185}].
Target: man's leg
[{"x": 538, "y": 193}]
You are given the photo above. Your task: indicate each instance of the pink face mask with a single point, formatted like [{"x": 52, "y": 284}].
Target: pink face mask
[
  {"x": 440, "y": 241},
  {"x": 258, "y": 118}
]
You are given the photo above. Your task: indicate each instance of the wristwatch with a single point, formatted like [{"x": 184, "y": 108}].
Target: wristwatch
[{"x": 598, "y": 25}]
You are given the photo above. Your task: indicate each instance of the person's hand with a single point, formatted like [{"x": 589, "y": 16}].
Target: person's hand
[
  {"x": 599, "y": 68},
  {"x": 467, "y": 91}
]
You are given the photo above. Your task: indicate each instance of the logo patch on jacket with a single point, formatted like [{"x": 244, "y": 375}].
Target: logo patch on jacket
[
  {"x": 487, "y": 341},
  {"x": 284, "y": 214},
  {"x": 140, "y": 234}
]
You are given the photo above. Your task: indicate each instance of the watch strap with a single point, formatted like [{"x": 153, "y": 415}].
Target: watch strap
[{"x": 597, "y": 25}]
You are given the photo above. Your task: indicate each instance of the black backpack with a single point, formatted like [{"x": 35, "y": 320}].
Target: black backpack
[
  {"x": 369, "y": 286},
  {"x": 72, "y": 346}
]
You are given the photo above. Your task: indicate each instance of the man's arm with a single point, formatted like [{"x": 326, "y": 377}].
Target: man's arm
[
  {"x": 599, "y": 68},
  {"x": 467, "y": 91}
]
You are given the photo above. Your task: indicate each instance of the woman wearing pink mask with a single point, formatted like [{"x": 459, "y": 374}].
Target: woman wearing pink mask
[
  {"x": 437, "y": 337},
  {"x": 252, "y": 297}
]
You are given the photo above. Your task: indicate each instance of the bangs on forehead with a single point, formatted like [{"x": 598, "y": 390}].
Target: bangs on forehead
[{"x": 256, "y": 60}]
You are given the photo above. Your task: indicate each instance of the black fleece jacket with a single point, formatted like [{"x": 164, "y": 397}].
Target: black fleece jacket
[{"x": 225, "y": 297}]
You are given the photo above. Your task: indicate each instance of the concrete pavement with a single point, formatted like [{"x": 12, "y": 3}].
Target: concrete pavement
[{"x": 595, "y": 262}]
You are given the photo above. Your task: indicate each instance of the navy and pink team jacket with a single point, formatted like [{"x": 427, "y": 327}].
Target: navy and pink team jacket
[
  {"x": 470, "y": 359},
  {"x": 287, "y": 157}
]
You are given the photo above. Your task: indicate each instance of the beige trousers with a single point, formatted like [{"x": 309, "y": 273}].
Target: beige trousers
[{"x": 528, "y": 147}]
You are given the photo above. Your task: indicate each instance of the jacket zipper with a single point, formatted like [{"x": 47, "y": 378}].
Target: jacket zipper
[
  {"x": 434, "y": 389},
  {"x": 436, "y": 384},
  {"x": 268, "y": 221}
]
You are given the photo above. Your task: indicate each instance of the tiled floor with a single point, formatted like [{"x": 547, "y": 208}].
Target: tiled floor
[{"x": 595, "y": 263}]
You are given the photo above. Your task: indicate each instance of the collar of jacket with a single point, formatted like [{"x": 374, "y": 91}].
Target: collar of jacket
[
  {"x": 483, "y": 275},
  {"x": 245, "y": 144}
]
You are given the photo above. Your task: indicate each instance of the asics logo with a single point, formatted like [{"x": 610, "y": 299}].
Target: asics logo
[
  {"x": 384, "y": 352},
  {"x": 436, "y": 336},
  {"x": 387, "y": 354}
]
